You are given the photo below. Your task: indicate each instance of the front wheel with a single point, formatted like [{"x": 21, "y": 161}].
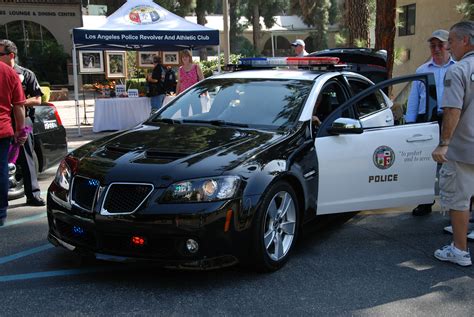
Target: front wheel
[{"x": 276, "y": 227}]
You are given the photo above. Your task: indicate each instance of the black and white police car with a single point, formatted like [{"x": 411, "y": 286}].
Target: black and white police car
[{"x": 232, "y": 168}]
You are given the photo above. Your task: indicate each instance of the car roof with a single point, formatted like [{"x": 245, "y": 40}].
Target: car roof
[{"x": 299, "y": 74}]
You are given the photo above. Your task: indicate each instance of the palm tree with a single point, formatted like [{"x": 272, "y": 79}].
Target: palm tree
[{"x": 357, "y": 18}]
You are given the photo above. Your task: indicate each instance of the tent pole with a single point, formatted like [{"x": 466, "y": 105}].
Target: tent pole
[
  {"x": 76, "y": 90},
  {"x": 219, "y": 59},
  {"x": 273, "y": 45}
]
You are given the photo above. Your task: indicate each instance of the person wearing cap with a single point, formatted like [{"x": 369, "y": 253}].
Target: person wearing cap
[
  {"x": 299, "y": 48},
  {"x": 456, "y": 146},
  {"x": 438, "y": 64}
]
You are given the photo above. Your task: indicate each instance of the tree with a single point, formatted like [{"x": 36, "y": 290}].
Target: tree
[
  {"x": 314, "y": 13},
  {"x": 254, "y": 9},
  {"x": 385, "y": 30},
  {"x": 357, "y": 21},
  {"x": 466, "y": 8},
  {"x": 202, "y": 8}
]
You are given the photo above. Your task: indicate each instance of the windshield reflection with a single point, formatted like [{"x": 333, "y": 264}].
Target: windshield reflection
[{"x": 255, "y": 103}]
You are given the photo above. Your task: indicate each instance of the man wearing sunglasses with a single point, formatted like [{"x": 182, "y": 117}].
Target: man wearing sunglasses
[
  {"x": 438, "y": 64},
  {"x": 31, "y": 88}
]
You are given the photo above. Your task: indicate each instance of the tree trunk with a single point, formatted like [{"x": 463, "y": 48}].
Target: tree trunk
[
  {"x": 201, "y": 19},
  {"x": 385, "y": 30},
  {"x": 357, "y": 22},
  {"x": 255, "y": 25},
  {"x": 233, "y": 25}
]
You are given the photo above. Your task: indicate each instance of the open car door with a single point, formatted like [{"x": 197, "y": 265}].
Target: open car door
[{"x": 369, "y": 167}]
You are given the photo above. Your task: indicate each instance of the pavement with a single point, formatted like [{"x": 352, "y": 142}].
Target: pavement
[{"x": 81, "y": 134}]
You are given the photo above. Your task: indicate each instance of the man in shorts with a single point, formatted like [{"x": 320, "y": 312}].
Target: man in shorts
[{"x": 456, "y": 146}]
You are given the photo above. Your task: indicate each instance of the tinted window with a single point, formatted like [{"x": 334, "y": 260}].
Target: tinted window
[
  {"x": 370, "y": 104},
  {"x": 259, "y": 103}
]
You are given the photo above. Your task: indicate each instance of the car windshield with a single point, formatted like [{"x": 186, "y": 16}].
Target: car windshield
[{"x": 272, "y": 104}]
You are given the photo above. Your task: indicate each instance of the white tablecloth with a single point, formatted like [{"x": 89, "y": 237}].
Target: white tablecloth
[{"x": 120, "y": 113}]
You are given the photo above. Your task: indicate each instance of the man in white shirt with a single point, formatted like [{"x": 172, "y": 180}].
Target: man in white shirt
[{"x": 299, "y": 48}]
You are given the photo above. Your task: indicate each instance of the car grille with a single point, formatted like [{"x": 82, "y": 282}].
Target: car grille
[
  {"x": 125, "y": 198},
  {"x": 84, "y": 192}
]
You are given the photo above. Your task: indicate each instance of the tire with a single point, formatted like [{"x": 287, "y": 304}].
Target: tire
[
  {"x": 17, "y": 191},
  {"x": 276, "y": 228}
]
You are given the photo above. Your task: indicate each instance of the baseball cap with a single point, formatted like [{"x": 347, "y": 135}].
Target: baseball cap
[
  {"x": 298, "y": 42},
  {"x": 441, "y": 35}
]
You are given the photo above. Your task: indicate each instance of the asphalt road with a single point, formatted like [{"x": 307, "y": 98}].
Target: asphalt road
[
  {"x": 361, "y": 264},
  {"x": 365, "y": 264}
]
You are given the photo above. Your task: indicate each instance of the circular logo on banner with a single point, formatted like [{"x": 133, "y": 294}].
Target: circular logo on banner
[
  {"x": 383, "y": 157},
  {"x": 143, "y": 15}
]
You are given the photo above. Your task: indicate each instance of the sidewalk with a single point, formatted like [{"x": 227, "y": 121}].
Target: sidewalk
[{"x": 67, "y": 112}]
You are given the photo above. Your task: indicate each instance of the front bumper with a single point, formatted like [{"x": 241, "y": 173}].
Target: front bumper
[{"x": 164, "y": 234}]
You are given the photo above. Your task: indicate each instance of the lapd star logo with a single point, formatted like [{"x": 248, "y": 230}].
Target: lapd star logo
[
  {"x": 143, "y": 15},
  {"x": 383, "y": 157}
]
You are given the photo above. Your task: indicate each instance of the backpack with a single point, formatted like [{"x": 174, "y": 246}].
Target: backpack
[{"x": 170, "y": 81}]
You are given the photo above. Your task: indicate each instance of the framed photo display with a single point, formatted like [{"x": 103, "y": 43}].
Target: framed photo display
[
  {"x": 171, "y": 58},
  {"x": 145, "y": 59},
  {"x": 91, "y": 62},
  {"x": 115, "y": 64}
]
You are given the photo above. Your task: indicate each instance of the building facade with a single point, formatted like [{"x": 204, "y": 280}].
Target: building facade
[{"x": 417, "y": 19}]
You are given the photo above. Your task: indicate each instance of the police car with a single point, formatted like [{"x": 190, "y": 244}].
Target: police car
[{"x": 233, "y": 168}]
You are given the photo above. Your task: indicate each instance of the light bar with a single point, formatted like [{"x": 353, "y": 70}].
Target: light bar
[{"x": 288, "y": 61}]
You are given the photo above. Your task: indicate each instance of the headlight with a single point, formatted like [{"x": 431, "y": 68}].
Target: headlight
[
  {"x": 63, "y": 175},
  {"x": 203, "y": 189}
]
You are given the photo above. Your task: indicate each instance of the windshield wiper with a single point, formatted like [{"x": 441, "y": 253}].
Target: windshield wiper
[
  {"x": 167, "y": 120},
  {"x": 219, "y": 123}
]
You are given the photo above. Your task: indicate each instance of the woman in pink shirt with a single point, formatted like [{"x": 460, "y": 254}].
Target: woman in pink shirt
[{"x": 189, "y": 73}]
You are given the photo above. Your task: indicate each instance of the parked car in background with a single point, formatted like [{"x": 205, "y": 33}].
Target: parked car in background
[{"x": 50, "y": 146}]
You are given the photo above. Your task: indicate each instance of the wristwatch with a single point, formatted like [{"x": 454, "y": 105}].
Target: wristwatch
[{"x": 443, "y": 143}]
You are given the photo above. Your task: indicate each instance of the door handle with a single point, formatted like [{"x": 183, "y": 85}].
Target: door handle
[
  {"x": 420, "y": 137},
  {"x": 388, "y": 119}
]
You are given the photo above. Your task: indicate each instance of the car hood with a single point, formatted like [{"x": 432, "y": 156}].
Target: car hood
[{"x": 165, "y": 153}]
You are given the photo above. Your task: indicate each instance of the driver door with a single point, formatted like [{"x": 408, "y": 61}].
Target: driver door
[{"x": 363, "y": 167}]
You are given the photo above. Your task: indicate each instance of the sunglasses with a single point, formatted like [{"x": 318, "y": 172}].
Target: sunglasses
[{"x": 434, "y": 46}]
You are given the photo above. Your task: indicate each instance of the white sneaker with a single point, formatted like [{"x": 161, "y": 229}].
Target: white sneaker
[
  {"x": 449, "y": 229},
  {"x": 452, "y": 254}
]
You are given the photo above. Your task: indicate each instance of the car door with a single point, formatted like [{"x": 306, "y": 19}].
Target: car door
[{"x": 370, "y": 167}]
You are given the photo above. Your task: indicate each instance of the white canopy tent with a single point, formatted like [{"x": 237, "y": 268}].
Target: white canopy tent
[{"x": 140, "y": 25}]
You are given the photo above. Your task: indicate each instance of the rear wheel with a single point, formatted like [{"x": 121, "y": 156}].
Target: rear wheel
[{"x": 276, "y": 227}]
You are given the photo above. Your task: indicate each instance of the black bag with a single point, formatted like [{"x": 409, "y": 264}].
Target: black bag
[{"x": 170, "y": 81}]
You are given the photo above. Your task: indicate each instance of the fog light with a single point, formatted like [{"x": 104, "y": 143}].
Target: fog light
[
  {"x": 138, "y": 241},
  {"x": 192, "y": 245},
  {"x": 78, "y": 231}
]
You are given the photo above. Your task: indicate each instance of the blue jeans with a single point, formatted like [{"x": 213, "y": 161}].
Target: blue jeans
[
  {"x": 156, "y": 102},
  {"x": 4, "y": 145}
]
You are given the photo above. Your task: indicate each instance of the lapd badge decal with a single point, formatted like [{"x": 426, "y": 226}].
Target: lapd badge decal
[
  {"x": 384, "y": 157},
  {"x": 143, "y": 15}
]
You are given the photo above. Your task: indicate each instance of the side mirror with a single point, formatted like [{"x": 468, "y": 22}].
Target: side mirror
[{"x": 345, "y": 126}]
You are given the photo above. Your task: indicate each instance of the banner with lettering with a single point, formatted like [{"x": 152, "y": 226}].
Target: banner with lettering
[{"x": 145, "y": 25}]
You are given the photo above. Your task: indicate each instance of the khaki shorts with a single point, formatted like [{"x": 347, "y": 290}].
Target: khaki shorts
[{"x": 456, "y": 183}]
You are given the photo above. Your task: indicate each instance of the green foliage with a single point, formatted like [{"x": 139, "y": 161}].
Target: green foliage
[
  {"x": 49, "y": 62},
  {"x": 466, "y": 8},
  {"x": 137, "y": 83},
  {"x": 209, "y": 67}
]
